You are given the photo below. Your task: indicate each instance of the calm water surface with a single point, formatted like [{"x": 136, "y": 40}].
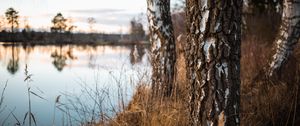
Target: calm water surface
[{"x": 70, "y": 71}]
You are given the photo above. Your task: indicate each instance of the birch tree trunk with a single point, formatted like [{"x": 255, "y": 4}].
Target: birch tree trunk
[
  {"x": 288, "y": 36},
  {"x": 162, "y": 40},
  {"x": 213, "y": 61}
]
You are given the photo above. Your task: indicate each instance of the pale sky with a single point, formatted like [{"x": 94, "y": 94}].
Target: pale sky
[{"x": 111, "y": 15}]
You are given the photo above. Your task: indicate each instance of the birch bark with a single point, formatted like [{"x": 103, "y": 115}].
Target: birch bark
[
  {"x": 213, "y": 61},
  {"x": 162, "y": 40}
]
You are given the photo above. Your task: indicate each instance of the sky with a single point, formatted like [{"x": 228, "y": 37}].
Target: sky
[{"x": 112, "y": 16}]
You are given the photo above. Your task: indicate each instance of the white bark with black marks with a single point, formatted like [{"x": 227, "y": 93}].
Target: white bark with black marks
[
  {"x": 213, "y": 61},
  {"x": 288, "y": 36},
  {"x": 162, "y": 40}
]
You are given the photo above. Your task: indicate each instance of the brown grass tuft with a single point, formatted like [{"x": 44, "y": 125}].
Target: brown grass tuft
[{"x": 146, "y": 111}]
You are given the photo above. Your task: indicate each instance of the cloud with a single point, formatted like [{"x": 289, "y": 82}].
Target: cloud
[
  {"x": 43, "y": 15},
  {"x": 112, "y": 20},
  {"x": 96, "y": 11},
  {"x": 104, "y": 16}
]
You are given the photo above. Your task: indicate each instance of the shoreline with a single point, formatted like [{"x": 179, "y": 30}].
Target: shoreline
[{"x": 3, "y": 43}]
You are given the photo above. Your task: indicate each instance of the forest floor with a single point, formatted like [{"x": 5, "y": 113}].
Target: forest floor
[{"x": 263, "y": 102}]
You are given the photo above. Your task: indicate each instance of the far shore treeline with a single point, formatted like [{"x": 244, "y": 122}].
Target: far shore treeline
[
  {"x": 76, "y": 38},
  {"x": 61, "y": 31}
]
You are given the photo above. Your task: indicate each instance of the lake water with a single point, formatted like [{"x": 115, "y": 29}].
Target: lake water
[{"x": 90, "y": 81}]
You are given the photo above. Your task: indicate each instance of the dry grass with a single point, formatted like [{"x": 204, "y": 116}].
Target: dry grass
[
  {"x": 143, "y": 110},
  {"x": 266, "y": 102},
  {"x": 263, "y": 102}
]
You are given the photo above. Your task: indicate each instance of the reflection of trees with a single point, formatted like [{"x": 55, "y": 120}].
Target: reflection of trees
[
  {"x": 92, "y": 61},
  {"x": 13, "y": 64},
  {"x": 61, "y": 57},
  {"x": 70, "y": 54},
  {"x": 92, "y": 55},
  {"x": 28, "y": 49},
  {"x": 59, "y": 61},
  {"x": 136, "y": 54}
]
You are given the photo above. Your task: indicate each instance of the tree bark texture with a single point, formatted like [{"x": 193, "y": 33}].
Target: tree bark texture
[
  {"x": 162, "y": 40},
  {"x": 288, "y": 36},
  {"x": 212, "y": 56}
]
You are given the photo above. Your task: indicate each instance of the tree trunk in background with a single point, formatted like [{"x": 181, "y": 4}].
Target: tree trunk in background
[
  {"x": 162, "y": 40},
  {"x": 213, "y": 61},
  {"x": 260, "y": 6},
  {"x": 288, "y": 36}
]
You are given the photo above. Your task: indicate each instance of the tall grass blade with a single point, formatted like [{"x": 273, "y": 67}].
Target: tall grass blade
[
  {"x": 18, "y": 122},
  {"x": 39, "y": 89},
  {"x": 57, "y": 99},
  {"x": 37, "y": 95},
  {"x": 12, "y": 113},
  {"x": 25, "y": 118},
  {"x": 33, "y": 118},
  {"x": 2, "y": 94},
  {"x": 7, "y": 117},
  {"x": 1, "y": 110},
  {"x": 61, "y": 109},
  {"x": 28, "y": 78}
]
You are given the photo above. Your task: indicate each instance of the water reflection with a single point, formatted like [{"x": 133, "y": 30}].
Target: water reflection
[
  {"x": 59, "y": 60},
  {"x": 28, "y": 49},
  {"x": 59, "y": 68},
  {"x": 60, "y": 57},
  {"x": 136, "y": 53},
  {"x": 92, "y": 61},
  {"x": 13, "y": 64}
]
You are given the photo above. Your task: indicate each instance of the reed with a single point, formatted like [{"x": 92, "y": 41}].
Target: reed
[
  {"x": 29, "y": 114},
  {"x": 2, "y": 97}
]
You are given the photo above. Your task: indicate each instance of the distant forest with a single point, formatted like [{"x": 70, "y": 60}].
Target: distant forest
[
  {"x": 77, "y": 38},
  {"x": 61, "y": 31}
]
